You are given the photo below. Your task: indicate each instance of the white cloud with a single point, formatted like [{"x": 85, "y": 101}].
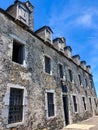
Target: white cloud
[{"x": 85, "y": 20}]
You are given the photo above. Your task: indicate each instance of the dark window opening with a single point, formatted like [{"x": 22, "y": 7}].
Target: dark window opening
[
  {"x": 61, "y": 70},
  {"x": 15, "y": 105},
  {"x": 50, "y": 100},
  {"x": 75, "y": 103},
  {"x": 90, "y": 102},
  {"x": 47, "y": 65},
  {"x": 18, "y": 55},
  {"x": 95, "y": 102},
  {"x": 86, "y": 82},
  {"x": 84, "y": 103},
  {"x": 79, "y": 79},
  {"x": 92, "y": 86},
  {"x": 70, "y": 75}
]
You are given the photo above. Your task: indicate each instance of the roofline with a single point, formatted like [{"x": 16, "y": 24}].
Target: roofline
[
  {"x": 43, "y": 28},
  {"x": 33, "y": 33}
]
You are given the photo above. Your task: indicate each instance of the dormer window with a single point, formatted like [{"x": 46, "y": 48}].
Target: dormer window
[
  {"x": 48, "y": 35},
  {"x": 23, "y": 14}
]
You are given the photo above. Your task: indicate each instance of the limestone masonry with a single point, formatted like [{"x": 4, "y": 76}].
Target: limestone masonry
[{"x": 42, "y": 86}]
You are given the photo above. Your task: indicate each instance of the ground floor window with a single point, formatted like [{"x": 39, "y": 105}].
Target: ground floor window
[
  {"x": 75, "y": 103},
  {"x": 50, "y": 103},
  {"x": 15, "y": 105}
]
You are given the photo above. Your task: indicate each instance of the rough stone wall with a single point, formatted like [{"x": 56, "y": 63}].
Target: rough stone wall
[{"x": 35, "y": 81}]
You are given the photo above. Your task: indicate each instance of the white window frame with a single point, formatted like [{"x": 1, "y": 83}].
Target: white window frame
[
  {"x": 22, "y": 42},
  {"x": 46, "y": 104},
  {"x": 59, "y": 63},
  {"x": 73, "y": 103},
  {"x": 5, "y": 111},
  {"x": 85, "y": 102},
  {"x": 44, "y": 64}
]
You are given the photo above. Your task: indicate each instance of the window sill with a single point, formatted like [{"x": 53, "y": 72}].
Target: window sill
[
  {"x": 15, "y": 124},
  {"x": 52, "y": 117},
  {"x": 20, "y": 65}
]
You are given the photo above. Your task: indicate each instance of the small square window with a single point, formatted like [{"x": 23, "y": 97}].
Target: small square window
[
  {"x": 18, "y": 52},
  {"x": 47, "y": 65}
]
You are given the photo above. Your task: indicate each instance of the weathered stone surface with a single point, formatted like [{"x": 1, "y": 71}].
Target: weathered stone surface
[{"x": 35, "y": 81}]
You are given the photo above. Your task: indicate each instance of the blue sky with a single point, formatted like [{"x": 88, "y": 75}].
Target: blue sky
[{"x": 76, "y": 20}]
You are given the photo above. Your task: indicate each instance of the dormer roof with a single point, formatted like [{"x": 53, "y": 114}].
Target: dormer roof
[{"x": 44, "y": 27}]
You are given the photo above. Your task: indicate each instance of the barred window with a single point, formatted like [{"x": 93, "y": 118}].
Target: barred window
[
  {"x": 15, "y": 105},
  {"x": 75, "y": 103},
  {"x": 84, "y": 103},
  {"x": 47, "y": 64},
  {"x": 50, "y": 103}
]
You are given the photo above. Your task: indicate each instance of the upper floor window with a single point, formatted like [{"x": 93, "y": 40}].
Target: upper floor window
[
  {"x": 47, "y": 65},
  {"x": 48, "y": 34},
  {"x": 86, "y": 84},
  {"x": 60, "y": 70},
  {"x": 70, "y": 75},
  {"x": 18, "y": 52},
  {"x": 79, "y": 79},
  {"x": 91, "y": 82},
  {"x": 15, "y": 105}
]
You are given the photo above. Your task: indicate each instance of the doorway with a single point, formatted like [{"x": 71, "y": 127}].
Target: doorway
[{"x": 65, "y": 107}]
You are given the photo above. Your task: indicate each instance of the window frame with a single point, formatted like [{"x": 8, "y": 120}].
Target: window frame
[
  {"x": 84, "y": 103},
  {"x": 22, "y": 47},
  {"x": 50, "y": 64},
  {"x": 46, "y": 104},
  {"x": 74, "y": 95},
  {"x": 5, "y": 112},
  {"x": 70, "y": 75},
  {"x": 61, "y": 72}
]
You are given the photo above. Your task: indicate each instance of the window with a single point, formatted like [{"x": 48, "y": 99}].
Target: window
[
  {"x": 91, "y": 82},
  {"x": 70, "y": 75},
  {"x": 75, "y": 103},
  {"x": 84, "y": 103},
  {"x": 47, "y": 65},
  {"x": 64, "y": 88},
  {"x": 48, "y": 33},
  {"x": 18, "y": 52},
  {"x": 95, "y": 102},
  {"x": 90, "y": 102},
  {"x": 15, "y": 105},
  {"x": 86, "y": 82},
  {"x": 79, "y": 79},
  {"x": 50, "y": 104},
  {"x": 61, "y": 70}
]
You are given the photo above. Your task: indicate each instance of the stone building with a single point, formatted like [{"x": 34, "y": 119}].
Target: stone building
[{"x": 42, "y": 86}]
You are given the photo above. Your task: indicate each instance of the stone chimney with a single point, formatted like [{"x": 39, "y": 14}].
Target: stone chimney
[
  {"x": 83, "y": 64},
  {"x": 68, "y": 51},
  {"x": 76, "y": 59},
  {"x": 59, "y": 43},
  {"x": 88, "y": 68}
]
